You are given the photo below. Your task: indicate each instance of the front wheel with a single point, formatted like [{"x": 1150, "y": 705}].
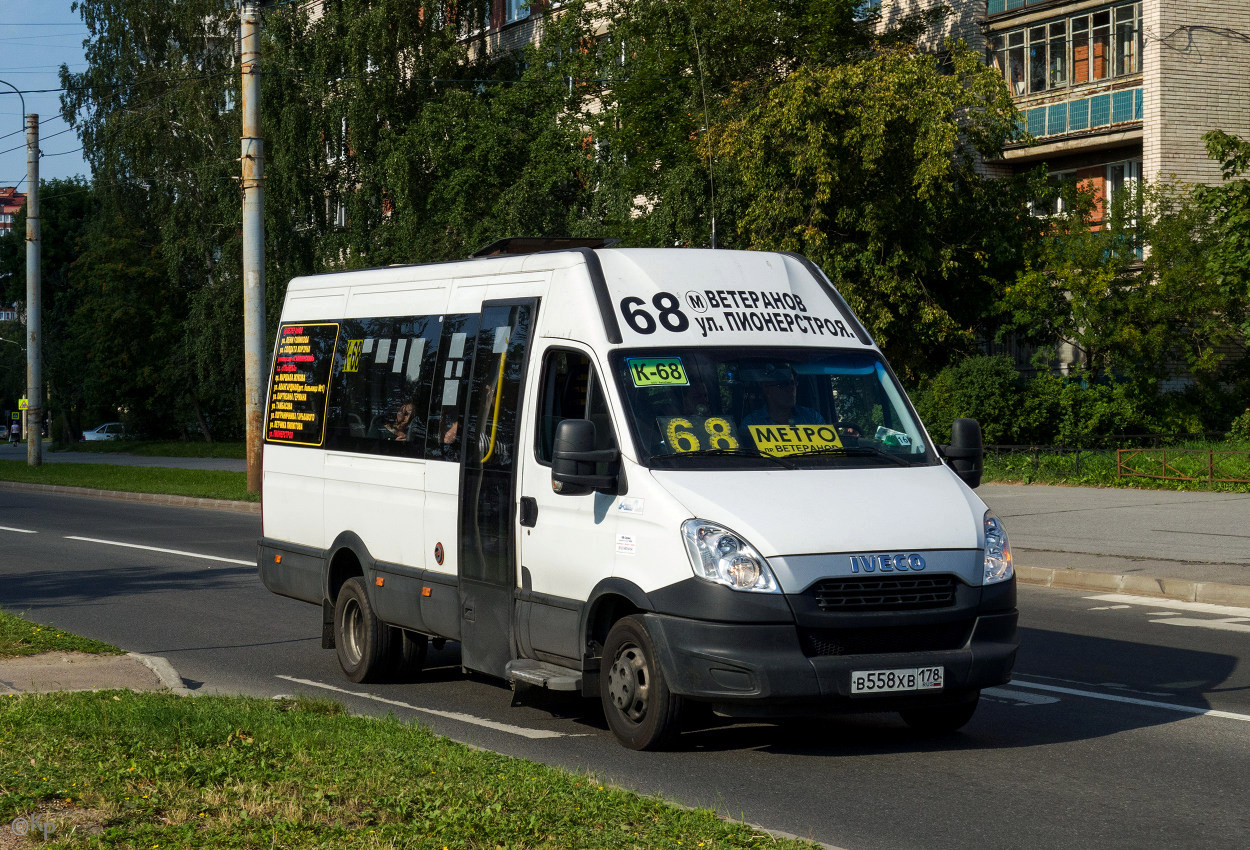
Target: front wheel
[
  {"x": 641, "y": 711},
  {"x": 361, "y": 640},
  {"x": 943, "y": 719}
]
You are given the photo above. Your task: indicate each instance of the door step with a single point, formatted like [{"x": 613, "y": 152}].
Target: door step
[{"x": 540, "y": 674}]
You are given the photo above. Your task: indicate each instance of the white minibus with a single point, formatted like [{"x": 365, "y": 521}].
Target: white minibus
[{"x": 663, "y": 477}]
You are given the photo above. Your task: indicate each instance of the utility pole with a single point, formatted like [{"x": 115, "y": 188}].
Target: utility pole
[
  {"x": 34, "y": 301},
  {"x": 253, "y": 162}
]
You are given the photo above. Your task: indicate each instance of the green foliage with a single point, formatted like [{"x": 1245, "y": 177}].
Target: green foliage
[
  {"x": 984, "y": 388},
  {"x": 1228, "y": 251},
  {"x": 1044, "y": 410},
  {"x": 1239, "y": 430},
  {"x": 868, "y": 168}
]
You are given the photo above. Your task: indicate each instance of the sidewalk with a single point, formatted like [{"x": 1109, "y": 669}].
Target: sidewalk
[
  {"x": 1192, "y": 546},
  {"x": 79, "y": 671},
  {"x": 8, "y": 452}
]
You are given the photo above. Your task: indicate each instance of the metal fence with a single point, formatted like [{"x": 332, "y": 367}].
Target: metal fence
[{"x": 1157, "y": 456}]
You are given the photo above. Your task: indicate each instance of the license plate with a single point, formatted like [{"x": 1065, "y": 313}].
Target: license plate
[{"x": 909, "y": 679}]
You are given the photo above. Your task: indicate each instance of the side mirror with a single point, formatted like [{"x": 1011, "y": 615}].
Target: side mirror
[
  {"x": 573, "y": 460},
  {"x": 966, "y": 453}
]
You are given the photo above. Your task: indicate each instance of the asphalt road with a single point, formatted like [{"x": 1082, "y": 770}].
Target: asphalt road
[{"x": 1128, "y": 723}]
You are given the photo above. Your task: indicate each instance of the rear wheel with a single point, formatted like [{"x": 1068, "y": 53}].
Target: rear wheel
[
  {"x": 944, "y": 719},
  {"x": 361, "y": 640},
  {"x": 640, "y": 709}
]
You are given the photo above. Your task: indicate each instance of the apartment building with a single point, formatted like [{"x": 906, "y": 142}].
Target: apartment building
[
  {"x": 11, "y": 202},
  {"x": 1112, "y": 92}
]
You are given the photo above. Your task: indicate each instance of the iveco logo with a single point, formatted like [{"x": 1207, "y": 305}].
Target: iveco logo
[{"x": 886, "y": 563}]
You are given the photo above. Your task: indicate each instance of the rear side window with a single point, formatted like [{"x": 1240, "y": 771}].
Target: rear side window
[{"x": 381, "y": 392}]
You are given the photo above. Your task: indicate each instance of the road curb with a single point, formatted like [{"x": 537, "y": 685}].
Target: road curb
[
  {"x": 1210, "y": 592},
  {"x": 150, "y": 498},
  {"x": 164, "y": 671}
]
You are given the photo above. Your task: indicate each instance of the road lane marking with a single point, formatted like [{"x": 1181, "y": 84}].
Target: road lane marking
[
  {"x": 18, "y": 530},
  {"x": 522, "y": 731},
  {"x": 1018, "y": 697},
  {"x": 1119, "y": 685},
  {"x": 163, "y": 551},
  {"x": 1174, "y": 604},
  {"x": 1149, "y": 703},
  {"x": 1231, "y": 624}
]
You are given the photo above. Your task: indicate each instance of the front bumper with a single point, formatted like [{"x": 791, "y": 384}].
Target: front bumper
[{"x": 766, "y": 669}]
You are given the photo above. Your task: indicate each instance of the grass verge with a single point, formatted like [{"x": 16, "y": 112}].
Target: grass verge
[
  {"x": 152, "y": 770},
  {"x": 1098, "y": 468},
  {"x": 19, "y": 636},
  {"x": 196, "y": 483},
  {"x": 157, "y": 448}
]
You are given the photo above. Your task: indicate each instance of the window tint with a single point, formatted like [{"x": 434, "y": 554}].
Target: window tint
[
  {"x": 445, "y": 430},
  {"x": 381, "y": 392}
]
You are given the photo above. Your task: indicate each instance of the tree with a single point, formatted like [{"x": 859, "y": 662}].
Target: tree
[
  {"x": 869, "y": 168},
  {"x": 66, "y": 208},
  {"x": 156, "y": 110},
  {"x": 1228, "y": 205}
]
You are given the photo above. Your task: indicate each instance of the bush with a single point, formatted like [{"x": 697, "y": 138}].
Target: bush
[
  {"x": 1239, "y": 431},
  {"x": 1046, "y": 410},
  {"x": 985, "y": 388}
]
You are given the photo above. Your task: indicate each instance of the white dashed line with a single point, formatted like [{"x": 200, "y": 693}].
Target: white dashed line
[
  {"x": 1149, "y": 703},
  {"x": 17, "y": 530},
  {"x": 163, "y": 551}
]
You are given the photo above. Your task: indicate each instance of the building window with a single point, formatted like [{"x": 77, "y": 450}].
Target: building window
[
  {"x": 1071, "y": 51},
  {"x": 515, "y": 10}
]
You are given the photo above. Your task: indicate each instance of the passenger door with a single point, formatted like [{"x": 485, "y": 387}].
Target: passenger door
[{"x": 487, "y": 562}]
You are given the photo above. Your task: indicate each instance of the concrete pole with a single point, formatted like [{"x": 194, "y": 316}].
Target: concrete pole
[
  {"x": 253, "y": 243},
  {"x": 34, "y": 301}
]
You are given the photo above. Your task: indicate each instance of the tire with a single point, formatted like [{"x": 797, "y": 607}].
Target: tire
[
  {"x": 640, "y": 709},
  {"x": 411, "y": 650},
  {"x": 361, "y": 641},
  {"x": 944, "y": 719}
]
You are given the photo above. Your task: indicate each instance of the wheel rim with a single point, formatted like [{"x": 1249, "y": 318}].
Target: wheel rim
[
  {"x": 629, "y": 683},
  {"x": 353, "y": 632}
]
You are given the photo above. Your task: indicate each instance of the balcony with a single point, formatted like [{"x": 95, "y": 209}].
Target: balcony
[{"x": 1078, "y": 114}]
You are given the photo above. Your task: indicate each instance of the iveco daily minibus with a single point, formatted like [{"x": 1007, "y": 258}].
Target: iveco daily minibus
[{"x": 659, "y": 477}]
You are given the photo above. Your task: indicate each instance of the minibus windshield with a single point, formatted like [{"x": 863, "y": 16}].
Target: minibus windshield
[{"x": 801, "y": 408}]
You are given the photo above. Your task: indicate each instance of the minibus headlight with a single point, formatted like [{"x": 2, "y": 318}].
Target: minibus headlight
[
  {"x": 997, "y": 551},
  {"x": 718, "y": 555}
]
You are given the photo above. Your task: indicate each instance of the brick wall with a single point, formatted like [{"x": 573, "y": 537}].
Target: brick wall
[
  {"x": 1195, "y": 80},
  {"x": 963, "y": 22}
]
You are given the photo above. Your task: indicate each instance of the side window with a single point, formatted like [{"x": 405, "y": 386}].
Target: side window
[
  {"x": 571, "y": 390},
  {"x": 382, "y": 385},
  {"x": 298, "y": 412},
  {"x": 450, "y": 384}
]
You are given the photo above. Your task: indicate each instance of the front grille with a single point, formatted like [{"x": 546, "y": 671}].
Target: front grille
[
  {"x": 885, "y": 593},
  {"x": 875, "y": 641}
]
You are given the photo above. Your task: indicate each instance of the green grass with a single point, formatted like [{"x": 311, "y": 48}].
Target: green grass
[
  {"x": 1098, "y": 468},
  {"x": 204, "y": 484},
  {"x": 118, "y": 769},
  {"x": 19, "y": 636},
  {"x": 157, "y": 448}
]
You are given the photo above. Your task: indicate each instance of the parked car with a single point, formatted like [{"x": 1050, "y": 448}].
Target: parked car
[{"x": 107, "y": 431}]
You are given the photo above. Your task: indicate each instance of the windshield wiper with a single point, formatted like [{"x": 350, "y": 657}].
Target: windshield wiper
[
  {"x": 856, "y": 451},
  {"x": 782, "y": 462}
]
